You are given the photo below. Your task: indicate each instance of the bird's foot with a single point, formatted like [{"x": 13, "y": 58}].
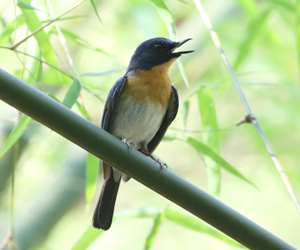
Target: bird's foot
[
  {"x": 129, "y": 144},
  {"x": 161, "y": 164}
]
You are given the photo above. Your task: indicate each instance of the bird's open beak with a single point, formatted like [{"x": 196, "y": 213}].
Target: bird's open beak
[{"x": 177, "y": 45}]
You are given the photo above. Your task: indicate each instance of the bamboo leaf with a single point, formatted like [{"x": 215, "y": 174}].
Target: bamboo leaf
[
  {"x": 29, "y": 6},
  {"x": 53, "y": 97},
  {"x": 33, "y": 23},
  {"x": 253, "y": 30},
  {"x": 185, "y": 112},
  {"x": 95, "y": 9},
  {"x": 78, "y": 40},
  {"x": 10, "y": 28},
  {"x": 89, "y": 236},
  {"x": 182, "y": 72},
  {"x": 209, "y": 122},
  {"x": 250, "y": 7},
  {"x": 72, "y": 94},
  {"x": 166, "y": 16},
  {"x": 91, "y": 176},
  {"x": 169, "y": 138},
  {"x": 65, "y": 18},
  {"x": 156, "y": 226},
  {"x": 39, "y": 76},
  {"x": 83, "y": 111},
  {"x": 52, "y": 79},
  {"x": 168, "y": 20},
  {"x": 197, "y": 225},
  {"x": 298, "y": 32},
  {"x": 202, "y": 149},
  {"x": 15, "y": 134},
  {"x": 34, "y": 71},
  {"x": 183, "y": 2},
  {"x": 284, "y": 3},
  {"x": 144, "y": 212},
  {"x": 102, "y": 73}
]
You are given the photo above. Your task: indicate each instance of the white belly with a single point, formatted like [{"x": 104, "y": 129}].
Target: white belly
[{"x": 137, "y": 123}]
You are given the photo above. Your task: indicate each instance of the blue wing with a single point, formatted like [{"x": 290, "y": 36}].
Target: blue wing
[
  {"x": 169, "y": 117},
  {"x": 110, "y": 105},
  {"x": 108, "y": 115}
]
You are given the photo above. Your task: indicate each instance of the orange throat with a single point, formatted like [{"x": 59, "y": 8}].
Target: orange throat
[{"x": 153, "y": 84}]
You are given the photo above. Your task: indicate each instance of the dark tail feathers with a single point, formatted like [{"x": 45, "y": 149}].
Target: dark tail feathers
[{"x": 105, "y": 208}]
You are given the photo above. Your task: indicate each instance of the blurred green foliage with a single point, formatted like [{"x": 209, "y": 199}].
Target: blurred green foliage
[{"x": 82, "y": 57}]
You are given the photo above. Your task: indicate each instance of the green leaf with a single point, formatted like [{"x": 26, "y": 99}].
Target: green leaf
[
  {"x": 169, "y": 138},
  {"x": 209, "y": 122},
  {"x": 10, "y": 28},
  {"x": 250, "y": 7},
  {"x": 197, "y": 225},
  {"x": 34, "y": 72},
  {"x": 33, "y": 23},
  {"x": 185, "y": 112},
  {"x": 95, "y": 9},
  {"x": 39, "y": 76},
  {"x": 298, "y": 32},
  {"x": 91, "y": 176},
  {"x": 102, "y": 73},
  {"x": 83, "y": 111},
  {"x": 53, "y": 79},
  {"x": 183, "y": 2},
  {"x": 168, "y": 20},
  {"x": 72, "y": 94},
  {"x": 143, "y": 212},
  {"x": 166, "y": 16},
  {"x": 53, "y": 97},
  {"x": 285, "y": 4},
  {"x": 65, "y": 18},
  {"x": 78, "y": 40},
  {"x": 182, "y": 72},
  {"x": 202, "y": 149},
  {"x": 15, "y": 134},
  {"x": 253, "y": 30},
  {"x": 89, "y": 236},
  {"x": 29, "y": 6},
  {"x": 156, "y": 225}
]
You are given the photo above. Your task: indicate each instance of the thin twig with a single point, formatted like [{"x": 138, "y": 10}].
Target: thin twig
[
  {"x": 40, "y": 60},
  {"x": 8, "y": 238},
  {"x": 61, "y": 36},
  {"x": 258, "y": 128},
  {"x": 63, "y": 42},
  {"x": 202, "y": 131},
  {"x": 16, "y": 21},
  {"x": 24, "y": 64},
  {"x": 13, "y": 47}
]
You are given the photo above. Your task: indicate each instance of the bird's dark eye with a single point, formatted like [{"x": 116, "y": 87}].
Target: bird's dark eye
[{"x": 158, "y": 47}]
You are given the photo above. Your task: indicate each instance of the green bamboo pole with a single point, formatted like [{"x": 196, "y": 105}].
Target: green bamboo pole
[{"x": 98, "y": 142}]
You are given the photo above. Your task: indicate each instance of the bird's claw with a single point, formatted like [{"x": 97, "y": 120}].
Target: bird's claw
[
  {"x": 129, "y": 144},
  {"x": 147, "y": 153},
  {"x": 162, "y": 165}
]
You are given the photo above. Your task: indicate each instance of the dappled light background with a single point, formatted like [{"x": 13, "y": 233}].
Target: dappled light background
[{"x": 259, "y": 37}]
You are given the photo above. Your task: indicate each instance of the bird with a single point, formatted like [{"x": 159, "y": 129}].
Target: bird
[{"x": 139, "y": 109}]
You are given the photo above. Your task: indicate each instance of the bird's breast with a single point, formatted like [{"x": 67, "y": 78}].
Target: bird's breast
[
  {"x": 137, "y": 122},
  {"x": 154, "y": 84},
  {"x": 142, "y": 105}
]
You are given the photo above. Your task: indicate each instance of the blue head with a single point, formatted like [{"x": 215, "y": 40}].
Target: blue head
[{"x": 155, "y": 52}]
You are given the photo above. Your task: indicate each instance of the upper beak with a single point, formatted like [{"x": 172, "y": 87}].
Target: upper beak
[{"x": 177, "y": 45}]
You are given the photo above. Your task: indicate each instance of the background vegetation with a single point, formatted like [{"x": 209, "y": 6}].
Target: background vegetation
[{"x": 54, "y": 180}]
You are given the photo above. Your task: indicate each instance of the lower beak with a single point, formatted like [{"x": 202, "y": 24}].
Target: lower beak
[{"x": 178, "y": 44}]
